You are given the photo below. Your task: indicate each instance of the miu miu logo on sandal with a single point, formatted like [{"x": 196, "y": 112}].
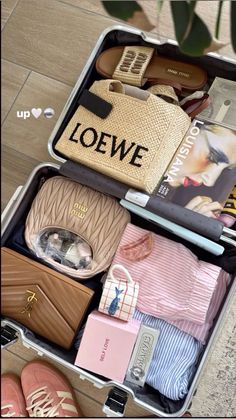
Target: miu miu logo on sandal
[
  {"x": 129, "y": 59},
  {"x": 178, "y": 73},
  {"x": 31, "y": 299},
  {"x": 79, "y": 210}
]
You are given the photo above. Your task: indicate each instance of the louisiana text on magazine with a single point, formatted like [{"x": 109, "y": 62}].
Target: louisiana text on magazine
[{"x": 202, "y": 172}]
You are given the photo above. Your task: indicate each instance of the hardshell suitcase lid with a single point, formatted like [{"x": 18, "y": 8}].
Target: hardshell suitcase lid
[{"x": 189, "y": 219}]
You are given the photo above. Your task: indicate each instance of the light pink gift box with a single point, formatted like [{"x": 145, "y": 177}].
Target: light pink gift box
[{"x": 107, "y": 345}]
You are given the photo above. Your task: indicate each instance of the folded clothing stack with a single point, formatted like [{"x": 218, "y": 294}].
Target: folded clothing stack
[
  {"x": 201, "y": 331},
  {"x": 179, "y": 295},
  {"x": 174, "y": 284},
  {"x": 174, "y": 358}
]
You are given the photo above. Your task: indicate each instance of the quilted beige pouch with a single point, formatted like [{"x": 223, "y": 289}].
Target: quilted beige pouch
[
  {"x": 66, "y": 206},
  {"x": 135, "y": 142}
]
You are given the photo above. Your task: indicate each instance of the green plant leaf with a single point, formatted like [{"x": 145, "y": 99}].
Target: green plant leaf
[
  {"x": 191, "y": 32},
  {"x": 123, "y": 10},
  {"x": 159, "y": 7},
  {"x": 180, "y": 15},
  {"x": 198, "y": 40},
  {"x": 233, "y": 25},
  {"x": 217, "y": 28},
  {"x": 183, "y": 15},
  {"x": 191, "y": 7}
]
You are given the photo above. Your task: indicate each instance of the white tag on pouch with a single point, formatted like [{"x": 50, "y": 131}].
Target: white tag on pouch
[{"x": 137, "y": 197}]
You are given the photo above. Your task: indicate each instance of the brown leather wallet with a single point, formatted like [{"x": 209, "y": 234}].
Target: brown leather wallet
[{"x": 45, "y": 301}]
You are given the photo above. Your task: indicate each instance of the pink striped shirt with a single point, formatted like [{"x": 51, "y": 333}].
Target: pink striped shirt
[
  {"x": 174, "y": 284},
  {"x": 201, "y": 331}
]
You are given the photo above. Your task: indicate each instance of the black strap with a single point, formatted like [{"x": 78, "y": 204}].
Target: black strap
[
  {"x": 208, "y": 227},
  {"x": 95, "y": 104}
]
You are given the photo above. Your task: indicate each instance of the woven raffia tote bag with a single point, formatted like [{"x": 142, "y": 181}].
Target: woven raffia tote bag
[{"x": 136, "y": 139}]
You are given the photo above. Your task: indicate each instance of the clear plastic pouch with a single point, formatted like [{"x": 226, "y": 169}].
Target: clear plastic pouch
[
  {"x": 222, "y": 108},
  {"x": 64, "y": 247}
]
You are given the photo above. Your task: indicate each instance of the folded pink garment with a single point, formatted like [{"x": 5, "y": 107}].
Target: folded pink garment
[
  {"x": 173, "y": 283},
  {"x": 201, "y": 331}
]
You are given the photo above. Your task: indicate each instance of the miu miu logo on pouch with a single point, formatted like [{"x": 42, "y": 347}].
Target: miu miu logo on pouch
[
  {"x": 105, "y": 143},
  {"x": 178, "y": 73},
  {"x": 79, "y": 210},
  {"x": 31, "y": 299}
]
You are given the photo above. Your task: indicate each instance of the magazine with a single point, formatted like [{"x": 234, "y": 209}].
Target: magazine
[
  {"x": 202, "y": 172},
  {"x": 222, "y": 108}
]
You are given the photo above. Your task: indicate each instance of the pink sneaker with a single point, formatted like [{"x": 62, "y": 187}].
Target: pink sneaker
[
  {"x": 12, "y": 399},
  {"x": 47, "y": 392}
]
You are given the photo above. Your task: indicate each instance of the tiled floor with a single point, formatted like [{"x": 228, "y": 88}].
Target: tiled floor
[{"x": 45, "y": 45}]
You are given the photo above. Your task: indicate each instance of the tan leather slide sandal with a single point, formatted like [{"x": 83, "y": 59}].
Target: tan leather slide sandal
[{"x": 136, "y": 65}]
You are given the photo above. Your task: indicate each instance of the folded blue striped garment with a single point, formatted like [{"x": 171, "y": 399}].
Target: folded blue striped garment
[{"x": 174, "y": 358}]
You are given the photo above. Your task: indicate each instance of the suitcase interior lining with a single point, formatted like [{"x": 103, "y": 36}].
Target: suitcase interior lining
[{"x": 14, "y": 238}]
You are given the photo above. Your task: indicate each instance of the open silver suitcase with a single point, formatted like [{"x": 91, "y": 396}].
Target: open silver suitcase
[{"x": 18, "y": 207}]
